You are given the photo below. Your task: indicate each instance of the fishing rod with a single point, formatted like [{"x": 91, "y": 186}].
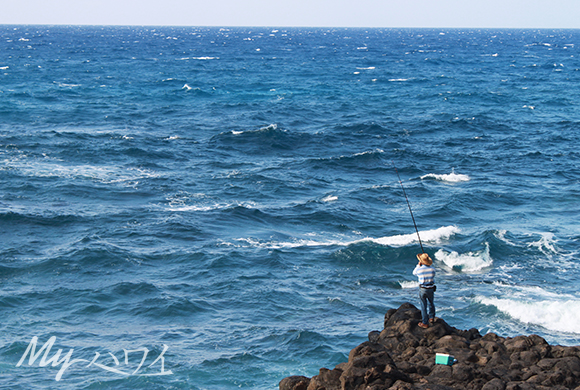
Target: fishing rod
[{"x": 409, "y": 204}]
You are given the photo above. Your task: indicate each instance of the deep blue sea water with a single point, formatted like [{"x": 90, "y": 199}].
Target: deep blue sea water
[{"x": 226, "y": 197}]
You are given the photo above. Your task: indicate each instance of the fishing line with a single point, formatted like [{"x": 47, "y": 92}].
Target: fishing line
[{"x": 409, "y": 204}]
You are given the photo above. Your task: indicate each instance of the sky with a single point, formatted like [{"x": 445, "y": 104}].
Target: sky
[{"x": 297, "y": 13}]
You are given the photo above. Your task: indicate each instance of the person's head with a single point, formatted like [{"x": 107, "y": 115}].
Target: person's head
[{"x": 424, "y": 259}]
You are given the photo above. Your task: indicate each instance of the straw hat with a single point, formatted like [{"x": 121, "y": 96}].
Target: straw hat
[{"x": 424, "y": 259}]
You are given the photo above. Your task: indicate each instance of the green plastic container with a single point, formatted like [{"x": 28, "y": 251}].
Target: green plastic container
[{"x": 442, "y": 358}]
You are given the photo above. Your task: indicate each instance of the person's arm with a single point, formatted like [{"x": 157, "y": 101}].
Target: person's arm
[{"x": 416, "y": 270}]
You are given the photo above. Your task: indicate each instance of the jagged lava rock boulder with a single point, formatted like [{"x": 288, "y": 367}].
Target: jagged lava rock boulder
[{"x": 402, "y": 357}]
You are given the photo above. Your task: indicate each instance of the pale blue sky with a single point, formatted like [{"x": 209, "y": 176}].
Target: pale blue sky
[{"x": 310, "y": 13}]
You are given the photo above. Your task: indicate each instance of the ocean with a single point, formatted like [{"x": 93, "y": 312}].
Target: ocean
[{"x": 218, "y": 208}]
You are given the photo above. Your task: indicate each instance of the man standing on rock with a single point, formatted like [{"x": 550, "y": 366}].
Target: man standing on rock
[{"x": 426, "y": 274}]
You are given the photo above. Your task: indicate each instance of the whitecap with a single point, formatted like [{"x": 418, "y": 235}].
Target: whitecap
[
  {"x": 4, "y": 67},
  {"x": 545, "y": 244},
  {"x": 560, "y": 315},
  {"x": 451, "y": 177},
  {"x": 500, "y": 235},
  {"x": 330, "y": 198},
  {"x": 408, "y": 284},
  {"x": 68, "y": 85},
  {"x": 471, "y": 262},
  {"x": 368, "y": 152},
  {"x": 287, "y": 245},
  {"x": 428, "y": 236},
  {"x": 186, "y": 86},
  {"x": 103, "y": 173},
  {"x": 203, "y": 208}
]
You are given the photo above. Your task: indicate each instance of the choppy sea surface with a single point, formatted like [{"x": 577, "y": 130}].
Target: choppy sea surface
[{"x": 218, "y": 208}]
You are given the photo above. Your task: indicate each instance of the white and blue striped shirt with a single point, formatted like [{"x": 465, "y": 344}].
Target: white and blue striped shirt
[{"x": 426, "y": 275}]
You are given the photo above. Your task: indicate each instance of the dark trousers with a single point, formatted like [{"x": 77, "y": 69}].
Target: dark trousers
[{"x": 426, "y": 295}]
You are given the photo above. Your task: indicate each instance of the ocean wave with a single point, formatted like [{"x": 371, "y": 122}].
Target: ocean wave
[
  {"x": 212, "y": 206},
  {"x": 107, "y": 174},
  {"x": 471, "y": 262},
  {"x": 329, "y": 198},
  {"x": 557, "y": 315},
  {"x": 451, "y": 177},
  {"x": 270, "y": 129},
  {"x": 546, "y": 244},
  {"x": 198, "y": 58},
  {"x": 501, "y": 235},
  {"x": 429, "y": 236},
  {"x": 359, "y": 161},
  {"x": 434, "y": 236},
  {"x": 366, "y": 155},
  {"x": 408, "y": 284},
  {"x": 267, "y": 139}
]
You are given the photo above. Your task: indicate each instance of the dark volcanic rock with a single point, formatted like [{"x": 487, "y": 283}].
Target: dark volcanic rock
[{"x": 402, "y": 357}]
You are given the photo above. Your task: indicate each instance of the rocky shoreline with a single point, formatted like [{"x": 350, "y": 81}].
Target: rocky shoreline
[{"x": 402, "y": 357}]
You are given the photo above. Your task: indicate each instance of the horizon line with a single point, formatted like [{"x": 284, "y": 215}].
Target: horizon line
[{"x": 284, "y": 26}]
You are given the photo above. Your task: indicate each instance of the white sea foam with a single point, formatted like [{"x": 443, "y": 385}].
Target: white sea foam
[
  {"x": 500, "y": 234},
  {"x": 471, "y": 262},
  {"x": 429, "y": 236},
  {"x": 65, "y": 85},
  {"x": 435, "y": 236},
  {"x": 451, "y": 177},
  {"x": 330, "y": 198},
  {"x": 546, "y": 244},
  {"x": 289, "y": 244},
  {"x": 561, "y": 315},
  {"x": 368, "y": 152},
  {"x": 199, "y": 58},
  {"x": 186, "y": 208},
  {"x": 180, "y": 206},
  {"x": 408, "y": 284},
  {"x": 399, "y": 80},
  {"x": 270, "y": 127},
  {"x": 101, "y": 173}
]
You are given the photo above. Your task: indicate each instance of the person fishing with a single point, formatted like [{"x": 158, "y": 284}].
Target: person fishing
[{"x": 426, "y": 274}]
